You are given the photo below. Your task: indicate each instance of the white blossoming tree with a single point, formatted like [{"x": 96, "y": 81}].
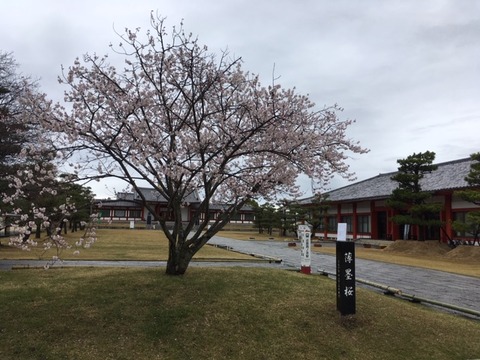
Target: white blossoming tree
[
  {"x": 33, "y": 198},
  {"x": 182, "y": 120}
]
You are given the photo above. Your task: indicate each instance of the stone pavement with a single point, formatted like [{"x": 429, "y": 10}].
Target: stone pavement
[
  {"x": 20, "y": 264},
  {"x": 457, "y": 290}
]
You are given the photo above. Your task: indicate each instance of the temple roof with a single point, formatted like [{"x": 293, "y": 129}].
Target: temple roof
[
  {"x": 152, "y": 195},
  {"x": 449, "y": 176}
]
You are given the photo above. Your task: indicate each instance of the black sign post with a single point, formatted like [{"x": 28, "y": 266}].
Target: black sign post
[{"x": 346, "y": 277}]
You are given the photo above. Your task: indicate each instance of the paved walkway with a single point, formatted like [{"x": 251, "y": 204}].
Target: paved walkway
[
  {"x": 458, "y": 290},
  {"x": 11, "y": 264}
]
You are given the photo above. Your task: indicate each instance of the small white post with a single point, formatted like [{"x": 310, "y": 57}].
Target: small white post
[
  {"x": 305, "y": 238},
  {"x": 341, "y": 232}
]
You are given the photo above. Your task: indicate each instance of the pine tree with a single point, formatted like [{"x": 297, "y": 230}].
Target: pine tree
[
  {"x": 267, "y": 218},
  {"x": 411, "y": 203},
  {"x": 472, "y": 219}
]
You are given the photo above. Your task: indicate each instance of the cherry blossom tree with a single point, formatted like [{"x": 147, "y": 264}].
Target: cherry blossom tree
[
  {"x": 33, "y": 196},
  {"x": 181, "y": 119},
  {"x": 13, "y": 134}
]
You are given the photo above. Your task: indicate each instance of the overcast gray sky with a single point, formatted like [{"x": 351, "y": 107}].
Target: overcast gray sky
[{"x": 408, "y": 71}]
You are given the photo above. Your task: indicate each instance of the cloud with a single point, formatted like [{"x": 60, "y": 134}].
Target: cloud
[{"x": 406, "y": 70}]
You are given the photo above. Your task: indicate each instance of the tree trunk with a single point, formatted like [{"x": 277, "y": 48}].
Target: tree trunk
[
  {"x": 38, "y": 232},
  {"x": 421, "y": 233},
  {"x": 178, "y": 260}
]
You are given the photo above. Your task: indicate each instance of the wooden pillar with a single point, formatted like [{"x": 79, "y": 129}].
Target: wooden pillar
[
  {"x": 373, "y": 221},
  {"x": 448, "y": 219},
  {"x": 393, "y": 228},
  {"x": 355, "y": 222},
  {"x": 325, "y": 226}
]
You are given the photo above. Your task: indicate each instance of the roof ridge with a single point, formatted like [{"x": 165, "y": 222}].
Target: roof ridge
[
  {"x": 453, "y": 161},
  {"x": 381, "y": 185}
]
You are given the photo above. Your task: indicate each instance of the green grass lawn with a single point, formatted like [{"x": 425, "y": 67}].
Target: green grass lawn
[
  {"x": 214, "y": 313},
  {"x": 209, "y": 313}
]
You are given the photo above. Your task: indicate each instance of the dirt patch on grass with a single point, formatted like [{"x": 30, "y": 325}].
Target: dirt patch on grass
[
  {"x": 434, "y": 249},
  {"x": 418, "y": 247},
  {"x": 465, "y": 252}
]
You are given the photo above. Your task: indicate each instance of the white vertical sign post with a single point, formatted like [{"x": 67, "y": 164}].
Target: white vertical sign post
[
  {"x": 341, "y": 232},
  {"x": 305, "y": 238}
]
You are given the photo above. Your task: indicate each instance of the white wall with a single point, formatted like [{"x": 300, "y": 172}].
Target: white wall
[
  {"x": 363, "y": 207},
  {"x": 458, "y": 203}
]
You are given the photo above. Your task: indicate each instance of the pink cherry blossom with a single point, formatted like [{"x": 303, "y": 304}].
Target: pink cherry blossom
[{"x": 167, "y": 113}]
